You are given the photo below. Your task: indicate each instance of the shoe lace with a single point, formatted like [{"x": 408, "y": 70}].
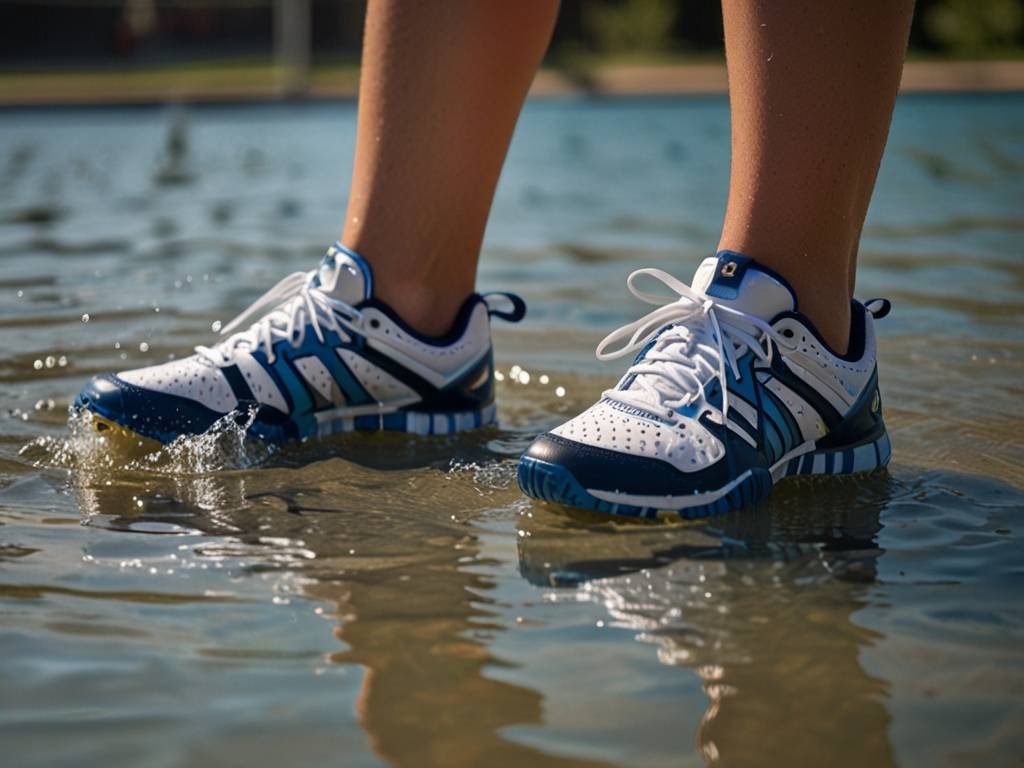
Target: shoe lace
[
  {"x": 692, "y": 338},
  {"x": 295, "y": 303}
]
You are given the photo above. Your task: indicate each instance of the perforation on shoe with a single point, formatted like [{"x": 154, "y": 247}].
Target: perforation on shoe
[
  {"x": 380, "y": 385},
  {"x": 191, "y": 377},
  {"x": 686, "y": 445},
  {"x": 444, "y": 359},
  {"x": 260, "y": 383},
  {"x": 845, "y": 377}
]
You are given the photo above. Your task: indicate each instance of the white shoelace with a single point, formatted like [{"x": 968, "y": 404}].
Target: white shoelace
[
  {"x": 296, "y": 302},
  {"x": 702, "y": 337}
]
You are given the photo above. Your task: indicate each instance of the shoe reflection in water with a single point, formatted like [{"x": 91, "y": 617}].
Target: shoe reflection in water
[
  {"x": 376, "y": 542},
  {"x": 760, "y": 604}
]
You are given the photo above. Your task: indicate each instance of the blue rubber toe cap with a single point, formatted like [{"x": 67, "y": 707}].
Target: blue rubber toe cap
[
  {"x": 606, "y": 470},
  {"x": 153, "y": 414}
]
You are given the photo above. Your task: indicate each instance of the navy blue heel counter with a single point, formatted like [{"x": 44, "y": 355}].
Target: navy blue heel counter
[
  {"x": 863, "y": 423},
  {"x": 473, "y": 390}
]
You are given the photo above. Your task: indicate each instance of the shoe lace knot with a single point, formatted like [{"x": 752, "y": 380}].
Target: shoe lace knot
[
  {"x": 296, "y": 303},
  {"x": 683, "y": 347}
]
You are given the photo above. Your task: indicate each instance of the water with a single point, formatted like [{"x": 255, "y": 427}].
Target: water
[{"x": 376, "y": 599}]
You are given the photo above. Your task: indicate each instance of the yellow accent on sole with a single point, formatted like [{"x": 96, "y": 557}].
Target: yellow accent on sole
[{"x": 123, "y": 439}]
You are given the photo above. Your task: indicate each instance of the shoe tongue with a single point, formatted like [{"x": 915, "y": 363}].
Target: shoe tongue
[
  {"x": 739, "y": 282},
  {"x": 345, "y": 275}
]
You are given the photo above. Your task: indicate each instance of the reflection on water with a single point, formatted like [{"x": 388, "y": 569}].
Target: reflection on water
[
  {"x": 394, "y": 600},
  {"x": 760, "y": 606}
]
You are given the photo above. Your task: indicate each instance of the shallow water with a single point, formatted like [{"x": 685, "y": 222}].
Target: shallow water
[{"x": 377, "y": 599}]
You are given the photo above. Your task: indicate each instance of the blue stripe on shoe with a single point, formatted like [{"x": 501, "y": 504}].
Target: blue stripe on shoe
[
  {"x": 806, "y": 463},
  {"x": 825, "y": 409},
  {"x": 239, "y": 386},
  {"x": 355, "y": 393},
  {"x": 783, "y": 419},
  {"x": 773, "y": 439},
  {"x": 293, "y": 384}
]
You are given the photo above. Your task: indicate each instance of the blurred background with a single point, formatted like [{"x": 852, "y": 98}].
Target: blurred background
[{"x": 116, "y": 51}]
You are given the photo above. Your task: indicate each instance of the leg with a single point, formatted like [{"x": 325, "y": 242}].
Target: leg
[
  {"x": 697, "y": 426},
  {"x": 440, "y": 90},
  {"x": 442, "y": 85},
  {"x": 811, "y": 87}
]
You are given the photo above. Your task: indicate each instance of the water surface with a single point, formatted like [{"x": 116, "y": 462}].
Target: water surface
[{"x": 378, "y": 599}]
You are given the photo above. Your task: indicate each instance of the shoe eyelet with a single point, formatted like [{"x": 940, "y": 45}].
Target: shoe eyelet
[
  {"x": 788, "y": 333},
  {"x": 374, "y": 323}
]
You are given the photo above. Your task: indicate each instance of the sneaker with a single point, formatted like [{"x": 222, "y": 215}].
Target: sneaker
[
  {"x": 731, "y": 390},
  {"x": 318, "y": 354}
]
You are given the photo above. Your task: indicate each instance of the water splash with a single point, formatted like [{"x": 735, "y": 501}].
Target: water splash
[{"x": 227, "y": 445}]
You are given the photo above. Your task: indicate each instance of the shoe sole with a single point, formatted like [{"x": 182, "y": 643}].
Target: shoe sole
[
  {"x": 554, "y": 483},
  {"x": 120, "y": 436},
  {"x": 408, "y": 422}
]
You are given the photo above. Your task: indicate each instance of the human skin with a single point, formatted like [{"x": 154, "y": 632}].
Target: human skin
[
  {"x": 811, "y": 90},
  {"x": 440, "y": 90},
  {"x": 811, "y": 84}
]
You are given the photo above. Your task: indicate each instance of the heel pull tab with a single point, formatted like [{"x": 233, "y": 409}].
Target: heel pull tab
[
  {"x": 878, "y": 308},
  {"x": 513, "y": 315}
]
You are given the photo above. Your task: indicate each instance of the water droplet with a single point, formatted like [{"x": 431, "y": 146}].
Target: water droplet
[
  {"x": 50, "y": 361},
  {"x": 524, "y": 377},
  {"x": 85, "y": 318},
  {"x": 38, "y": 365},
  {"x": 143, "y": 347},
  {"x": 216, "y": 326},
  {"x": 117, "y": 345},
  {"x": 559, "y": 391},
  {"x": 544, "y": 378}
]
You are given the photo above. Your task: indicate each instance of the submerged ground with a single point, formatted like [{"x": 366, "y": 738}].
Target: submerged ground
[{"x": 380, "y": 599}]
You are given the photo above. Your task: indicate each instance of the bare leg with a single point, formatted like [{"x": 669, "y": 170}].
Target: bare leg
[
  {"x": 440, "y": 90},
  {"x": 811, "y": 87}
]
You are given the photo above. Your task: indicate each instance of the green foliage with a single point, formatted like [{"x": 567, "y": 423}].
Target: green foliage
[
  {"x": 630, "y": 26},
  {"x": 972, "y": 27}
]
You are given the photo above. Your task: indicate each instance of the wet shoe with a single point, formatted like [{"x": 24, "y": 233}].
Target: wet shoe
[
  {"x": 731, "y": 390},
  {"x": 318, "y": 354}
]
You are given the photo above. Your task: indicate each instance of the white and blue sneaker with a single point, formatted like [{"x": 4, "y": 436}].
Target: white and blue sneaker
[
  {"x": 731, "y": 390},
  {"x": 315, "y": 355}
]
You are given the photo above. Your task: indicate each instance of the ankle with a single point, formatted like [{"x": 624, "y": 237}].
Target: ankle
[
  {"x": 821, "y": 283},
  {"x": 428, "y": 310},
  {"x": 830, "y": 314}
]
